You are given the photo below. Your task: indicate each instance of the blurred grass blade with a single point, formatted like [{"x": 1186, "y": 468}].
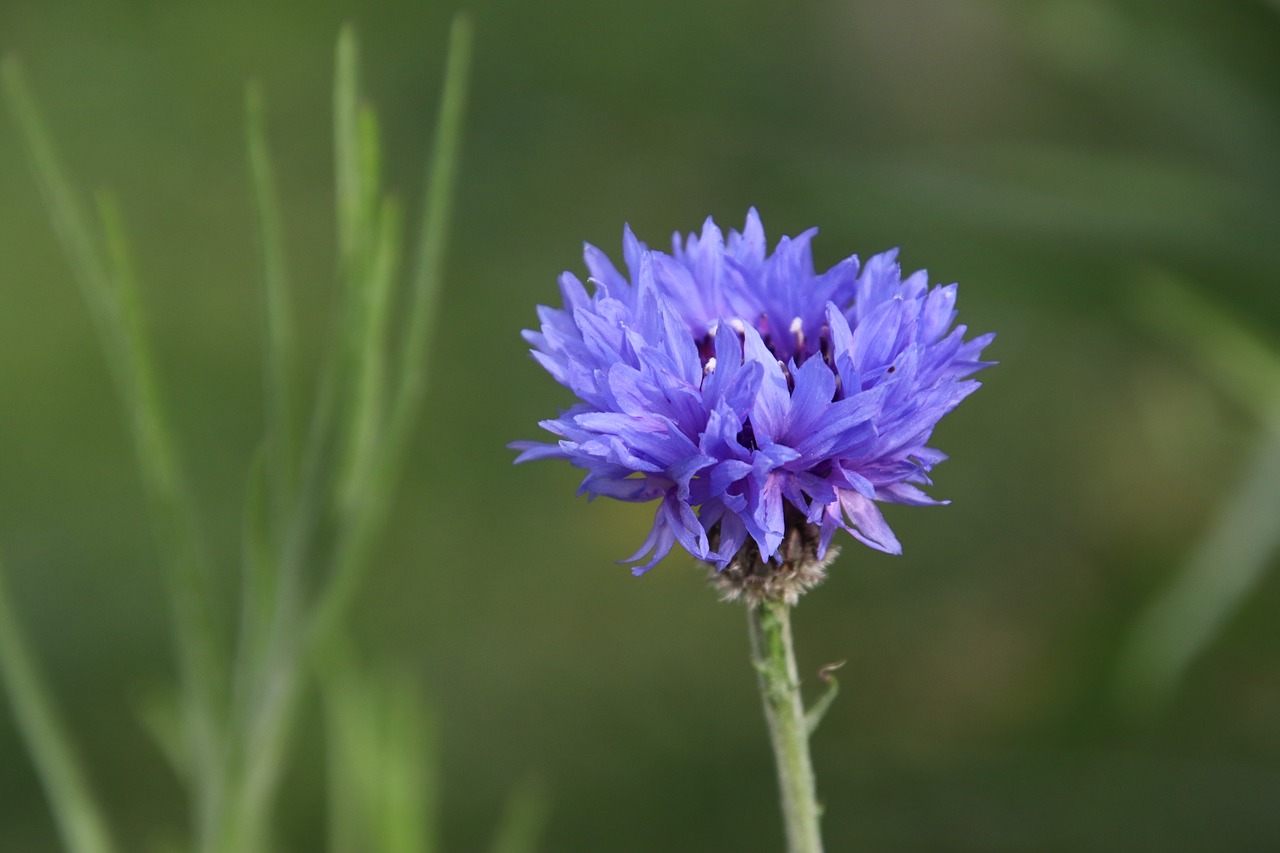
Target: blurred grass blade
[
  {"x": 523, "y": 820},
  {"x": 407, "y": 811},
  {"x": 279, "y": 328},
  {"x": 345, "y": 736},
  {"x": 352, "y": 549},
  {"x": 159, "y": 712},
  {"x": 174, "y": 512},
  {"x": 357, "y": 162},
  {"x": 367, "y": 416},
  {"x": 80, "y": 821},
  {"x": 1237, "y": 550},
  {"x": 437, "y": 213},
  {"x": 270, "y": 581},
  {"x": 356, "y": 177},
  {"x": 382, "y": 786},
  {"x": 369, "y": 161},
  {"x": 1230, "y": 354},
  {"x": 370, "y": 297},
  {"x": 67, "y": 216},
  {"x": 107, "y": 284},
  {"x": 261, "y": 576},
  {"x": 323, "y": 442},
  {"x": 1217, "y": 578},
  {"x": 349, "y": 187}
]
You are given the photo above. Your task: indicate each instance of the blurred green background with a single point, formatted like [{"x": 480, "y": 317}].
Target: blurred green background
[{"x": 1068, "y": 162}]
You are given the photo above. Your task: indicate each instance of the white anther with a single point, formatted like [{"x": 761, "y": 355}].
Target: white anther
[{"x": 710, "y": 367}]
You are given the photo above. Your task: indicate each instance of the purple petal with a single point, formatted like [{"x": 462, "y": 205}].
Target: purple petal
[{"x": 869, "y": 525}]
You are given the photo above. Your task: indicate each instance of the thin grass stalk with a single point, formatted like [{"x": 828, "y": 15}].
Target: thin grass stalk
[
  {"x": 369, "y": 393},
  {"x": 79, "y": 819},
  {"x": 350, "y": 189},
  {"x": 523, "y": 819},
  {"x": 175, "y": 520},
  {"x": 280, "y": 335},
  {"x": 366, "y": 232},
  {"x": 273, "y": 482}
]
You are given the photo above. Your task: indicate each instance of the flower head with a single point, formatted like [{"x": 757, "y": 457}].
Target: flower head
[{"x": 754, "y": 398}]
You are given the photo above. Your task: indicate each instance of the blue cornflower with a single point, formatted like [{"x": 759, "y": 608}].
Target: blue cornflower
[{"x": 762, "y": 404}]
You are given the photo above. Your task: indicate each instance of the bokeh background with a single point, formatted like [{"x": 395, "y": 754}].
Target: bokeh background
[{"x": 1077, "y": 165}]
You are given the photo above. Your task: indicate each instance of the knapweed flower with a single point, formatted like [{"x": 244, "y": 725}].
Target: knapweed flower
[{"x": 762, "y": 404}]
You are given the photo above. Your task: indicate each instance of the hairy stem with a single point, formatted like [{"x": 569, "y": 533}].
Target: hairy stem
[{"x": 773, "y": 655}]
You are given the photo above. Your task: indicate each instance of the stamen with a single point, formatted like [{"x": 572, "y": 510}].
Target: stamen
[
  {"x": 710, "y": 367},
  {"x": 797, "y": 331}
]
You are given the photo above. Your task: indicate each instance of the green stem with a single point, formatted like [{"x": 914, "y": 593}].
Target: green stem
[{"x": 773, "y": 655}]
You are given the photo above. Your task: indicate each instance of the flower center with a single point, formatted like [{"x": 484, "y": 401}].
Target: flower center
[{"x": 795, "y": 345}]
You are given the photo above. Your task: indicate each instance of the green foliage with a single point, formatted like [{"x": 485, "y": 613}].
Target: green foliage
[{"x": 313, "y": 509}]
